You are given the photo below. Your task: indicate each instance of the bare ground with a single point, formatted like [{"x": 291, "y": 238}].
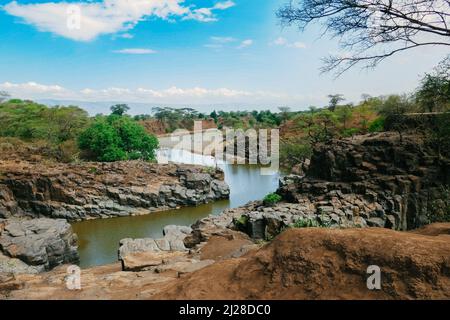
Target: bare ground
[{"x": 299, "y": 264}]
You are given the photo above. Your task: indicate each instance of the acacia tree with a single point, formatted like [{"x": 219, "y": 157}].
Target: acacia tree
[
  {"x": 335, "y": 99},
  {"x": 370, "y": 31},
  {"x": 119, "y": 109}
]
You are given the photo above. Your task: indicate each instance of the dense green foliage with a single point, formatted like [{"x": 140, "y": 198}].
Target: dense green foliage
[
  {"x": 63, "y": 131},
  {"x": 29, "y": 120},
  {"x": 115, "y": 138}
]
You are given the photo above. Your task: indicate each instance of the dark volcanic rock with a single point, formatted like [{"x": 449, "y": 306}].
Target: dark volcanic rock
[
  {"x": 378, "y": 178},
  {"x": 101, "y": 190}
]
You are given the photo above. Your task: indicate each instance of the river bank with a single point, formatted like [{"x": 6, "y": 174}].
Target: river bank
[
  {"x": 308, "y": 263},
  {"x": 349, "y": 211}
]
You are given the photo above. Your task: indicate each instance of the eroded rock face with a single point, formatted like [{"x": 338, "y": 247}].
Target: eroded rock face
[
  {"x": 36, "y": 245},
  {"x": 100, "y": 190},
  {"x": 375, "y": 179}
]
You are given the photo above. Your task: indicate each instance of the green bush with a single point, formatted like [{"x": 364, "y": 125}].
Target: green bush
[
  {"x": 272, "y": 198},
  {"x": 350, "y": 132},
  {"x": 116, "y": 138},
  {"x": 377, "y": 125}
]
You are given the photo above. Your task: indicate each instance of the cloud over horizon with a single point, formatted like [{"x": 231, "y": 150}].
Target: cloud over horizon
[
  {"x": 85, "y": 21},
  {"x": 194, "y": 95}
]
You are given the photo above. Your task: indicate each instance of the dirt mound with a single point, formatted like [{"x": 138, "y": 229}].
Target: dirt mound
[{"x": 329, "y": 264}]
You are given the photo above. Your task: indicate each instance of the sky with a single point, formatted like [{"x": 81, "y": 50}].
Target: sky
[{"x": 232, "y": 53}]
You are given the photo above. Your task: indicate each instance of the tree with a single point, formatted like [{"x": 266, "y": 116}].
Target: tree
[
  {"x": 294, "y": 151},
  {"x": 393, "y": 110},
  {"x": 119, "y": 109},
  {"x": 116, "y": 138},
  {"x": 285, "y": 113},
  {"x": 434, "y": 92},
  {"x": 335, "y": 99},
  {"x": 214, "y": 116},
  {"x": 372, "y": 30},
  {"x": 344, "y": 114},
  {"x": 4, "y": 96},
  {"x": 65, "y": 123}
]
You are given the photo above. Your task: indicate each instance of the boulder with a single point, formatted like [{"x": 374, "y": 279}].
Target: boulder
[
  {"x": 141, "y": 261},
  {"x": 142, "y": 253},
  {"x": 41, "y": 243}
]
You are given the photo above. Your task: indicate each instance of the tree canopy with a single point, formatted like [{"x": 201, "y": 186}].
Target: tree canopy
[{"x": 115, "y": 138}]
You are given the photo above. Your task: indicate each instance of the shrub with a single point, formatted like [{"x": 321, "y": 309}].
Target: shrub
[
  {"x": 272, "y": 198},
  {"x": 241, "y": 223},
  {"x": 116, "y": 138},
  {"x": 350, "y": 132},
  {"x": 377, "y": 125},
  {"x": 68, "y": 151},
  {"x": 294, "y": 151}
]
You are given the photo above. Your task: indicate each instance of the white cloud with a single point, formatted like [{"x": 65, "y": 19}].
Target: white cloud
[
  {"x": 195, "y": 95},
  {"x": 298, "y": 45},
  {"x": 280, "y": 41},
  {"x": 135, "y": 51},
  {"x": 207, "y": 14},
  {"x": 283, "y": 42},
  {"x": 221, "y": 42},
  {"x": 213, "y": 46},
  {"x": 84, "y": 20},
  {"x": 224, "y": 5},
  {"x": 126, "y": 36},
  {"x": 223, "y": 39},
  {"x": 245, "y": 44},
  {"x": 32, "y": 89}
]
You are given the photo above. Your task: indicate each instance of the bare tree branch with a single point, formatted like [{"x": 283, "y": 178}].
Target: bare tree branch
[{"x": 372, "y": 30}]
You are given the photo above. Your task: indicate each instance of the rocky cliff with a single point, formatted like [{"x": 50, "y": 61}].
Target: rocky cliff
[
  {"x": 101, "y": 190},
  {"x": 385, "y": 181}
]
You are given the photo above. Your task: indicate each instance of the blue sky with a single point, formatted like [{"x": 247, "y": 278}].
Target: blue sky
[{"x": 181, "y": 52}]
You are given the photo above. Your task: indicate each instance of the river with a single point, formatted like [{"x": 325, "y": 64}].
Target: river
[{"x": 99, "y": 239}]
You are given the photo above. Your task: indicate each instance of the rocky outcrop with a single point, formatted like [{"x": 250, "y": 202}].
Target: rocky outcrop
[
  {"x": 100, "y": 190},
  {"x": 139, "y": 254},
  {"x": 148, "y": 274},
  {"x": 170, "y": 253},
  {"x": 377, "y": 179},
  {"x": 311, "y": 263},
  {"x": 369, "y": 181},
  {"x": 30, "y": 246},
  {"x": 320, "y": 263}
]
